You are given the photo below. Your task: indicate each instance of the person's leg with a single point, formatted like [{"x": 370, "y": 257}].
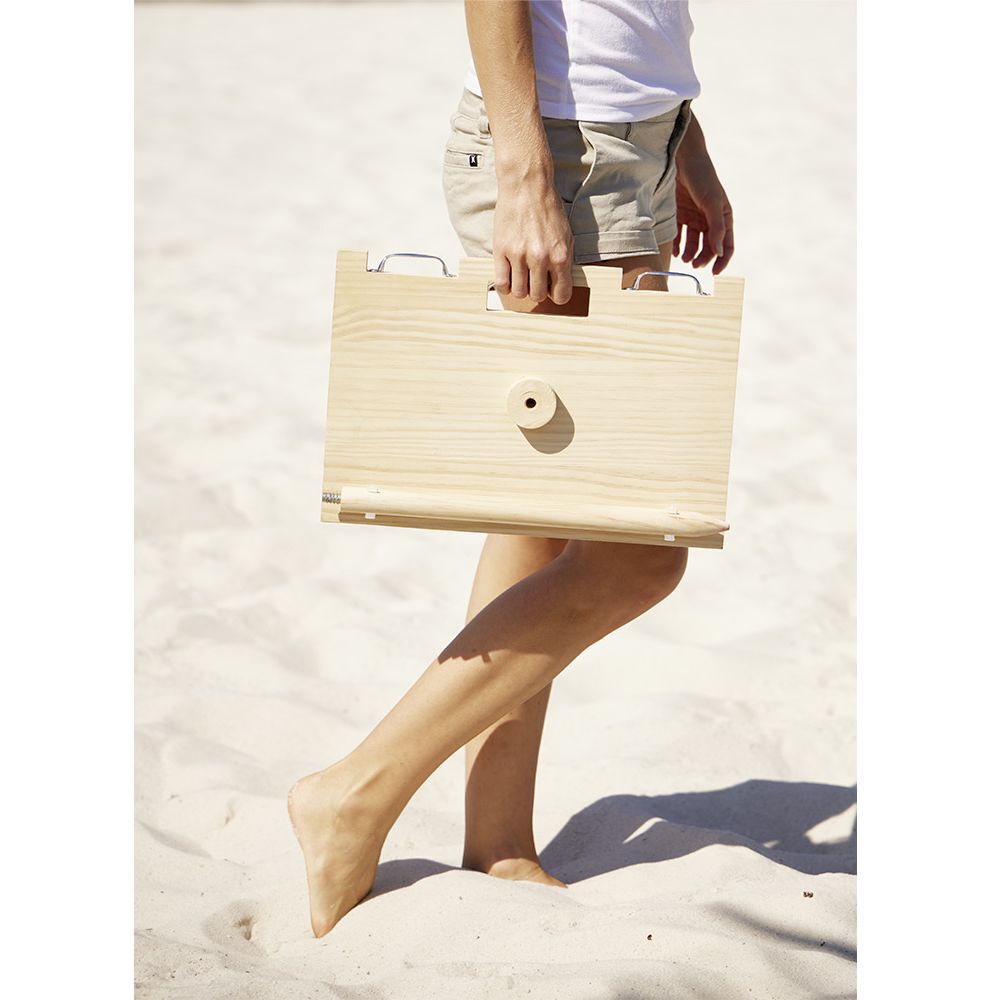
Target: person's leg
[
  {"x": 500, "y": 763},
  {"x": 505, "y": 655},
  {"x": 502, "y": 760}
]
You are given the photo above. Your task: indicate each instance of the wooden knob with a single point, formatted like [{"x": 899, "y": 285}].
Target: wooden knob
[{"x": 531, "y": 403}]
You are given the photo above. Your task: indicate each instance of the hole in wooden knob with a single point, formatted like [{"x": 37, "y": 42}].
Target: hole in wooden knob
[{"x": 531, "y": 403}]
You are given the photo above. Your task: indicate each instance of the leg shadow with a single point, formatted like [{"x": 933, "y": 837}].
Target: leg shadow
[
  {"x": 772, "y": 818},
  {"x": 403, "y": 872}
]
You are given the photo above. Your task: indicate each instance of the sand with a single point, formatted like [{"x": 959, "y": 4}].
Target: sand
[{"x": 696, "y": 785}]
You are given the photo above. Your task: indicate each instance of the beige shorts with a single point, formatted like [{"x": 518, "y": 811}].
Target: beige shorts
[{"x": 616, "y": 180}]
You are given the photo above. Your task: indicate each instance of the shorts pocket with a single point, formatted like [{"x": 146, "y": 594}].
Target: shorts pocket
[
  {"x": 465, "y": 157},
  {"x": 584, "y": 171},
  {"x": 673, "y": 141},
  {"x": 667, "y": 178},
  {"x": 573, "y": 156}
]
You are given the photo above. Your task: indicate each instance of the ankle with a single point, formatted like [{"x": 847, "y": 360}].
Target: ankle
[
  {"x": 361, "y": 794},
  {"x": 485, "y": 860}
]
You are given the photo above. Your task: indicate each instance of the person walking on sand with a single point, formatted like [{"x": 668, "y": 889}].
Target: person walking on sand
[{"x": 566, "y": 147}]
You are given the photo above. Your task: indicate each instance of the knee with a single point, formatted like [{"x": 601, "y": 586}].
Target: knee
[
  {"x": 658, "y": 572},
  {"x": 626, "y": 579}
]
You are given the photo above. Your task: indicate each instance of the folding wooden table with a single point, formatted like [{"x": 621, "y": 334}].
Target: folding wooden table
[{"x": 614, "y": 426}]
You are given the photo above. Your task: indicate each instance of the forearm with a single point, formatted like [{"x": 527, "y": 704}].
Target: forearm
[
  {"x": 500, "y": 40},
  {"x": 692, "y": 153},
  {"x": 703, "y": 208}
]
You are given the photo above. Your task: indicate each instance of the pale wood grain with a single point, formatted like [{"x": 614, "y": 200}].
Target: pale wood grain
[{"x": 418, "y": 406}]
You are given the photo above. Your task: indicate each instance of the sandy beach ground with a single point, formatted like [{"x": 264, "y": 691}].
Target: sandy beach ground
[{"x": 696, "y": 786}]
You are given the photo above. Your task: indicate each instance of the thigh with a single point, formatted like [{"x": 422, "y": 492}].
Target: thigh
[{"x": 632, "y": 267}]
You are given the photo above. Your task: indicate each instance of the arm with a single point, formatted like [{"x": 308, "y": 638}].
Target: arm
[
  {"x": 532, "y": 241},
  {"x": 702, "y": 204}
]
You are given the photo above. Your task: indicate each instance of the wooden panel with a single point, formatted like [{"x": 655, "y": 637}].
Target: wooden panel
[{"x": 420, "y": 379}]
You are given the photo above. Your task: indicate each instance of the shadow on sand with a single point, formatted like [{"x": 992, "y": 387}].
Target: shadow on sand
[{"x": 769, "y": 817}]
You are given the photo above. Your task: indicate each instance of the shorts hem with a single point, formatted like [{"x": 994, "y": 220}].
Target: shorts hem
[
  {"x": 589, "y": 248},
  {"x": 665, "y": 232}
]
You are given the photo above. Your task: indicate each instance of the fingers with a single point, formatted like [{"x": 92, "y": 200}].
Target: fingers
[
  {"x": 703, "y": 240},
  {"x": 727, "y": 246},
  {"x": 561, "y": 275},
  {"x": 712, "y": 245},
  {"x": 518, "y": 277},
  {"x": 709, "y": 249},
  {"x": 692, "y": 241},
  {"x": 501, "y": 274},
  {"x": 535, "y": 276},
  {"x": 538, "y": 290},
  {"x": 561, "y": 285}
]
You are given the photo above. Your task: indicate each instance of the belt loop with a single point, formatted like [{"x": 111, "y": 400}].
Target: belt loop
[{"x": 484, "y": 120}]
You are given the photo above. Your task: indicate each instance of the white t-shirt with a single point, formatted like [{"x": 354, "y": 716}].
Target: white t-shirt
[{"x": 609, "y": 60}]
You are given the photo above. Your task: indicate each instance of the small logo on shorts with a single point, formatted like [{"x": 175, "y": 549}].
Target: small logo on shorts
[{"x": 473, "y": 159}]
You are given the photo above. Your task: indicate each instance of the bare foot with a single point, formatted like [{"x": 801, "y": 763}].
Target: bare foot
[
  {"x": 340, "y": 845},
  {"x": 516, "y": 869}
]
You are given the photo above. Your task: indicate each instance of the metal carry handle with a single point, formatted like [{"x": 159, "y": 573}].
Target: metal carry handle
[
  {"x": 427, "y": 256},
  {"x": 634, "y": 287}
]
